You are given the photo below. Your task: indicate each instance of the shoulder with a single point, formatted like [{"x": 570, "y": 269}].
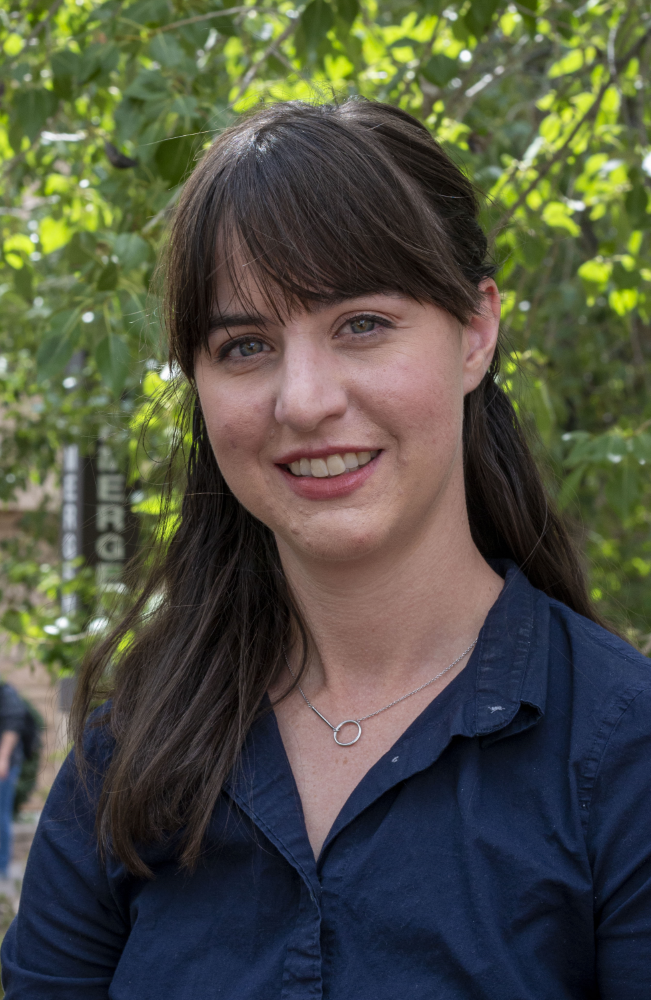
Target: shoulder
[
  {"x": 12, "y": 707},
  {"x": 604, "y": 660},
  {"x": 9, "y": 695},
  {"x": 77, "y": 789},
  {"x": 608, "y": 687},
  {"x": 99, "y": 742}
]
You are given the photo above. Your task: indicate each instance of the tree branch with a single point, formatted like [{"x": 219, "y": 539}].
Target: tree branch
[
  {"x": 252, "y": 71},
  {"x": 41, "y": 24},
  {"x": 217, "y": 13},
  {"x": 590, "y": 113},
  {"x": 544, "y": 170}
]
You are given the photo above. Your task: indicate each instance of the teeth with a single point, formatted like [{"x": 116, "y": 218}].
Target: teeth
[
  {"x": 333, "y": 465},
  {"x": 336, "y": 465}
]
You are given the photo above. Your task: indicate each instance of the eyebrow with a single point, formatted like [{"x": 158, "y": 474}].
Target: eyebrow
[
  {"x": 222, "y": 322},
  {"x": 227, "y": 320}
]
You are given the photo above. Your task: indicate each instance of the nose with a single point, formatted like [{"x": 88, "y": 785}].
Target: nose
[{"x": 310, "y": 389}]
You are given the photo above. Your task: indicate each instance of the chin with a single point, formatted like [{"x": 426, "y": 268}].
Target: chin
[{"x": 332, "y": 543}]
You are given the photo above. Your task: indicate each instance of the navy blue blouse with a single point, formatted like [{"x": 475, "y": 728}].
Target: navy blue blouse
[{"x": 501, "y": 850}]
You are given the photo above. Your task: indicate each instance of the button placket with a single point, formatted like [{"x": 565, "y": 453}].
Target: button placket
[{"x": 302, "y": 973}]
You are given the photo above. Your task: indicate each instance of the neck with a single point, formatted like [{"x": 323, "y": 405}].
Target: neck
[{"x": 386, "y": 621}]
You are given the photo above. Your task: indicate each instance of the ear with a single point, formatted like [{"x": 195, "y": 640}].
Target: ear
[{"x": 480, "y": 336}]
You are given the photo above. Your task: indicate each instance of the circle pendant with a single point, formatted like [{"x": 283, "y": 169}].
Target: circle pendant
[{"x": 347, "y": 722}]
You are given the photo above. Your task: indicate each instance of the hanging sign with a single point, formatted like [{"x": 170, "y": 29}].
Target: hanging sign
[
  {"x": 110, "y": 528},
  {"x": 71, "y": 520}
]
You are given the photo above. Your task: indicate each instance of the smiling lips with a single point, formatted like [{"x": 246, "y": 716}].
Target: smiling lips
[
  {"x": 329, "y": 476},
  {"x": 331, "y": 465}
]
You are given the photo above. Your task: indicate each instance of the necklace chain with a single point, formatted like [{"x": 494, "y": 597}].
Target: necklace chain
[{"x": 358, "y": 722}]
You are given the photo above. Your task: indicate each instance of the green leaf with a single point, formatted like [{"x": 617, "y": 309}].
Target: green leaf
[
  {"x": 54, "y": 233},
  {"x": 32, "y": 108},
  {"x": 623, "y": 278},
  {"x": 596, "y": 272},
  {"x": 112, "y": 357},
  {"x": 440, "y": 69},
  {"x": 622, "y": 488},
  {"x": 641, "y": 447},
  {"x": 195, "y": 35},
  {"x": 108, "y": 10},
  {"x": 564, "y": 20},
  {"x": 108, "y": 278},
  {"x": 480, "y": 15},
  {"x": 132, "y": 250},
  {"x": 185, "y": 105},
  {"x": 13, "y": 621},
  {"x": 529, "y": 20},
  {"x": 13, "y": 44},
  {"x": 65, "y": 68},
  {"x": 59, "y": 345},
  {"x": 623, "y": 300},
  {"x": 149, "y": 85},
  {"x": 150, "y": 12},
  {"x": 174, "y": 158},
  {"x": 80, "y": 250},
  {"x": 98, "y": 61},
  {"x": 570, "y": 63},
  {"x": 23, "y": 283},
  {"x": 533, "y": 251},
  {"x": 316, "y": 21},
  {"x": 165, "y": 50},
  {"x": 347, "y": 10},
  {"x": 636, "y": 204},
  {"x": 128, "y": 119},
  {"x": 570, "y": 485},
  {"x": 134, "y": 316},
  {"x": 559, "y": 215},
  {"x": 224, "y": 26}
]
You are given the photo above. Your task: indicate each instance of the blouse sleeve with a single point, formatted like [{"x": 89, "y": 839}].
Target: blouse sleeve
[
  {"x": 71, "y": 928},
  {"x": 619, "y": 839}
]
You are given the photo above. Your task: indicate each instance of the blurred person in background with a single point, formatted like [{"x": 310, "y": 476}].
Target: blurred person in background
[
  {"x": 362, "y": 734},
  {"x": 12, "y": 713}
]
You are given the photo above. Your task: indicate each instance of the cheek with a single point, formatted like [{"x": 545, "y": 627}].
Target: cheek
[
  {"x": 237, "y": 426},
  {"x": 420, "y": 402}
]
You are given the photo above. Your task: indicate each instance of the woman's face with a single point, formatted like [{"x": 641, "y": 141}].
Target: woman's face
[{"x": 340, "y": 427}]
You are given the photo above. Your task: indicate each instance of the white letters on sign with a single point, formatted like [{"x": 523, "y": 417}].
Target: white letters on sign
[
  {"x": 94, "y": 518},
  {"x": 110, "y": 547},
  {"x": 70, "y": 542},
  {"x": 110, "y": 519},
  {"x": 110, "y": 488}
]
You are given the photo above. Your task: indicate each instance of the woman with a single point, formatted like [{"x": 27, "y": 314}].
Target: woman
[{"x": 371, "y": 741}]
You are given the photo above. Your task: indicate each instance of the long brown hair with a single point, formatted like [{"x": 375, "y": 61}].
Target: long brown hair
[{"x": 321, "y": 202}]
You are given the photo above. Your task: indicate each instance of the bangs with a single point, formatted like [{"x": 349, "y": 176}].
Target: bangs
[{"x": 311, "y": 204}]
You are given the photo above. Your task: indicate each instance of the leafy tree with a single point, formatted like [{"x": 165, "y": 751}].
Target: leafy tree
[{"x": 105, "y": 109}]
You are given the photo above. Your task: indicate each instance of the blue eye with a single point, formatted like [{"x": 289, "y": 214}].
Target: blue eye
[
  {"x": 363, "y": 324},
  {"x": 247, "y": 348}
]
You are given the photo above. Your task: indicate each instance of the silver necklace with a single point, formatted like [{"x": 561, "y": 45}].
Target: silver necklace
[{"x": 358, "y": 722}]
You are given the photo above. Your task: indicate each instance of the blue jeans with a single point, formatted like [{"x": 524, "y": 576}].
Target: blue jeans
[{"x": 7, "y": 791}]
